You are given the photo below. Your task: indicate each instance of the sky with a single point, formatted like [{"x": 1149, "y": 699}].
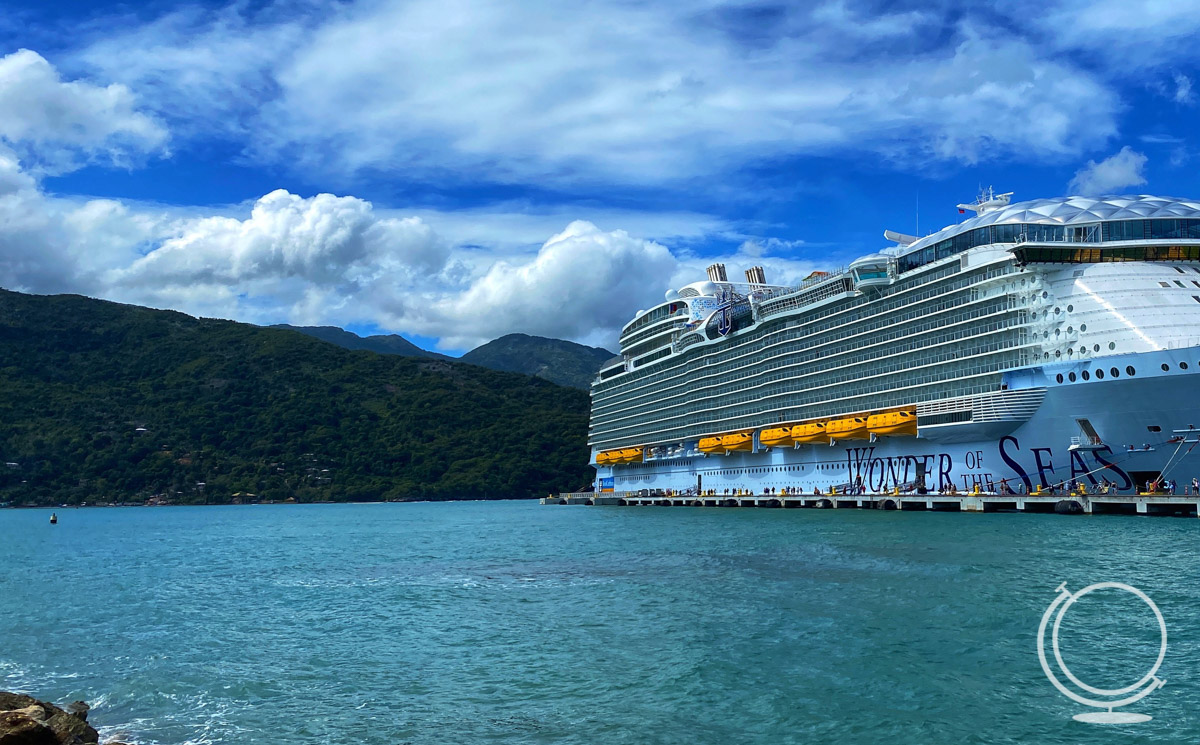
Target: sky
[{"x": 456, "y": 170}]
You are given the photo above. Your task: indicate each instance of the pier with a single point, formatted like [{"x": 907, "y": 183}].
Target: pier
[{"x": 1127, "y": 504}]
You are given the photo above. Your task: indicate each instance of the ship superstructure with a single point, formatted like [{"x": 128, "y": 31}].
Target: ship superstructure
[{"x": 1054, "y": 325}]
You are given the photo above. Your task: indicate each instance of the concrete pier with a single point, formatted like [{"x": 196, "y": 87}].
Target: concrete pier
[{"x": 1142, "y": 504}]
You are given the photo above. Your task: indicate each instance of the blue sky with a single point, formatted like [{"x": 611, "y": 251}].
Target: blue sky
[{"x": 456, "y": 170}]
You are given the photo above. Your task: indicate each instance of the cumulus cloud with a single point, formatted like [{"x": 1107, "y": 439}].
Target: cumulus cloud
[
  {"x": 1112, "y": 174},
  {"x": 610, "y": 91},
  {"x": 57, "y": 125},
  {"x": 1183, "y": 89}
]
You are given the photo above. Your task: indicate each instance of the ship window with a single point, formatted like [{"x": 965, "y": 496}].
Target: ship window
[
  {"x": 1082, "y": 328},
  {"x": 1115, "y": 372},
  {"x": 1113, "y": 345},
  {"x": 1085, "y": 375},
  {"x": 1178, "y": 269},
  {"x": 1180, "y": 283},
  {"x": 1058, "y": 353},
  {"x": 1196, "y": 298},
  {"x": 1182, "y": 365},
  {"x": 1165, "y": 367},
  {"x": 1057, "y": 310},
  {"x": 1071, "y": 377},
  {"x": 1099, "y": 375},
  {"x": 1164, "y": 284},
  {"x": 1045, "y": 294},
  {"x": 1070, "y": 308},
  {"x": 1196, "y": 283},
  {"x": 1130, "y": 371},
  {"x": 1059, "y": 377},
  {"x": 1154, "y": 428},
  {"x": 1095, "y": 347},
  {"x": 1070, "y": 329}
]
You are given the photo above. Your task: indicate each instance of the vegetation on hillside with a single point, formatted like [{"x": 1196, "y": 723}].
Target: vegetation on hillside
[
  {"x": 381, "y": 343},
  {"x": 102, "y": 402}
]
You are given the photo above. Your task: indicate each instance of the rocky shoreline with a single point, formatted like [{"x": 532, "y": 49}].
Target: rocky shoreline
[{"x": 24, "y": 720}]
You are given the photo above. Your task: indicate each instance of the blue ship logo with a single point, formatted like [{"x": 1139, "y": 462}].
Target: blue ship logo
[{"x": 725, "y": 312}]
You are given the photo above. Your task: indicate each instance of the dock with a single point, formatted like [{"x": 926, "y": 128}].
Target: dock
[{"x": 1127, "y": 504}]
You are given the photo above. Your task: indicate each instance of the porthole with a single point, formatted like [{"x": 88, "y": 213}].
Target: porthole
[
  {"x": 1182, "y": 365},
  {"x": 1085, "y": 375},
  {"x": 1046, "y": 355},
  {"x": 1057, "y": 310},
  {"x": 1112, "y": 345},
  {"x": 1082, "y": 327},
  {"x": 1022, "y": 281},
  {"x": 1057, "y": 332},
  {"x": 1045, "y": 334},
  {"x": 1165, "y": 367},
  {"x": 1070, "y": 329},
  {"x": 1071, "y": 377},
  {"x": 1058, "y": 353},
  {"x": 1095, "y": 347},
  {"x": 1115, "y": 372},
  {"x": 1130, "y": 371},
  {"x": 1059, "y": 377},
  {"x": 1070, "y": 308},
  {"x": 1045, "y": 294},
  {"x": 1099, "y": 375},
  {"x": 1070, "y": 351},
  {"x": 1083, "y": 350}
]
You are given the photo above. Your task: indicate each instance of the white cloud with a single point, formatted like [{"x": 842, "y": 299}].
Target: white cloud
[
  {"x": 57, "y": 125},
  {"x": 335, "y": 260},
  {"x": 1183, "y": 88},
  {"x": 1112, "y": 174},
  {"x": 565, "y": 93}
]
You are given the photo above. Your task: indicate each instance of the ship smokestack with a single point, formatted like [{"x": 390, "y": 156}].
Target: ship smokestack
[
  {"x": 756, "y": 276},
  {"x": 716, "y": 273}
]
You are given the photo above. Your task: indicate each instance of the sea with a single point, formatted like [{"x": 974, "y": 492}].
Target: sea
[{"x": 511, "y": 622}]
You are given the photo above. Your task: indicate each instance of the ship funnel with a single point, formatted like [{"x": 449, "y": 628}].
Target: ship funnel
[
  {"x": 716, "y": 273},
  {"x": 756, "y": 276}
]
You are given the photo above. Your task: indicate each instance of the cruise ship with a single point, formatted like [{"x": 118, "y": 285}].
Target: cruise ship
[{"x": 1041, "y": 344}]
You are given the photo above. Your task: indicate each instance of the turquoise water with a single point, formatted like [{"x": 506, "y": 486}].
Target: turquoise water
[{"x": 516, "y": 623}]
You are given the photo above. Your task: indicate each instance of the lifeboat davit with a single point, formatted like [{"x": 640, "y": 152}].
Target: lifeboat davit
[
  {"x": 893, "y": 424},
  {"x": 811, "y": 433},
  {"x": 848, "y": 428},
  {"x": 711, "y": 445},
  {"x": 776, "y": 438},
  {"x": 738, "y": 441}
]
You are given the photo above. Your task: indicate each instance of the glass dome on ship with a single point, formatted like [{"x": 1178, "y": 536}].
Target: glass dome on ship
[{"x": 1033, "y": 344}]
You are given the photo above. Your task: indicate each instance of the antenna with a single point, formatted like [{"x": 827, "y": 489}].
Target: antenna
[{"x": 918, "y": 231}]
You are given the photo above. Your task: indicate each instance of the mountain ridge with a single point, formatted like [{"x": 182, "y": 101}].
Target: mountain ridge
[{"x": 115, "y": 402}]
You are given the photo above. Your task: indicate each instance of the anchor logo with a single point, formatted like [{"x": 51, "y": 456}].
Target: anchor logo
[
  {"x": 725, "y": 311},
  {"x": 1149, "y": 683}
]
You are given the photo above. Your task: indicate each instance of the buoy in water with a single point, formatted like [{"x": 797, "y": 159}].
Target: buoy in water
[{"x": 53, "y": 518}]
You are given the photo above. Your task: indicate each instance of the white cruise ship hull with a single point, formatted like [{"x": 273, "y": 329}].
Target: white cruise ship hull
[{"x": 1135, "y": 417}]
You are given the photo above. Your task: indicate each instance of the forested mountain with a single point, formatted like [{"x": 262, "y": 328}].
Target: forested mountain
[
  {"x": 101, "y": 401},
  {"x": 563, "y": 362},
  {"x": 381, "y": 343}
]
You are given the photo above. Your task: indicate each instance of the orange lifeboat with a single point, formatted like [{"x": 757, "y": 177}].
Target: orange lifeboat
[
  {"x": 811, "y": 433},
  {"x": 631, "y": 455},
  {"x": 711, "y": 445},
  {"x": 604, "y": 458},
  {"x": 737, "y": 441},
  {"x": 779, "y": 437},
  {"x": 848, "y": 428},
  {"x": 893, "y": 423}
]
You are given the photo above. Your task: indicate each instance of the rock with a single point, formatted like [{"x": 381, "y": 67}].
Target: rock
[
  {"x": 20, "y": 728},
  {"x": 26, "y": 721}
]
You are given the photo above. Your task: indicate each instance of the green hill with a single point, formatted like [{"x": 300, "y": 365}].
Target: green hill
[
  {"x": 101, "y": 401},
  {"x": 562, "y": 362},
  {"x": 381, "y": 343}
]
